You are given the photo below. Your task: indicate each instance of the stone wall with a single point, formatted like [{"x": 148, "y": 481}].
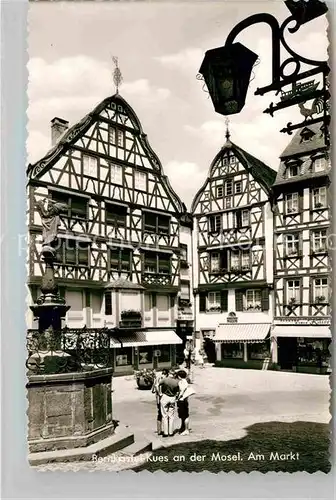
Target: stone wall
[{"x": 69, "y": 410}]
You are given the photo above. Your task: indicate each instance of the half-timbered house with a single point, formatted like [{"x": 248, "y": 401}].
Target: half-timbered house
[
  {"x": 119, "y": 253},
  {"x": 233, "y": 259},
  {"x": 301, "y": 264}
]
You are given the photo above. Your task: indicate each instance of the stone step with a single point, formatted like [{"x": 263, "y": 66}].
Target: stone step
[
  {"x": 137, "y": 448},
  {"x": 121, "y": 439}
]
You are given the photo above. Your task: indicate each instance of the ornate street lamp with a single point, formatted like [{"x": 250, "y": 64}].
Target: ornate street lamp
[{"x": 227, "y": 70}]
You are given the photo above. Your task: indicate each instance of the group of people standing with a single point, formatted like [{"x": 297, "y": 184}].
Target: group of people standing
[{"x": 172, "y": 392}]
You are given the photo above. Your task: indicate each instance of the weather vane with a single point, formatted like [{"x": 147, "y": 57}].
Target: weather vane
[
  {"x": 227, "y": 123},
  {"x": 117, "y": 76}
]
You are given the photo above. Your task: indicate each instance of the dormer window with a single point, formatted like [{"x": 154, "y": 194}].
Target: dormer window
[
  {"x": 307, "y": 135},
  {"x": 292, "y": 170},
  {"x": 319, "y": 164}
]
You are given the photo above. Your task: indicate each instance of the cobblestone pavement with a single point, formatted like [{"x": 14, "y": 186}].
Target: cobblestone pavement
[{"x": 226, "y": 402}]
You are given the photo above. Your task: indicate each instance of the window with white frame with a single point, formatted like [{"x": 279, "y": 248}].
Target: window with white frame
[
  {"x": 185, "y": 290},
  {"x": 215, "y": 223},
  {"x": 116, "y": 174},
  {"x": 116, "y": 136},
  {"x": 214, "y": 301},
  {"x": 245, "y": 218},
  {"x": 148, "y": 302},
  {"x": 234, "y": 261},
  {"x": 245, "y": 256},
  {"x": 242, "y": 218},
  {"x": 140, "y": 180},
  {"x": 228, "y": 203},
  {"x": 112, "y": 135},
  {"x": 219, "y": 191},
  {"x": 320, "y": 240},
  {"x": 238, "y": 187},
  {"x": 228, "y": 188},
  {"x": 292, "y": 244},
  {"x": 232, "y": 159},
  {"x": 90, "y": 164},
  {"x": 320, "y": 290},
  {"x": 293, "y": 291},
  {"x": 253, "y": 300},
  {"x": 156, "y": 223},
  {"x": 292, "y": 170},
  {"x": 320, "y": 197},
  {"x": 292, "y": 203},
  {"x": 121, "y": 138},
  {"x": 214, "y": 262},
  {"x": 319, "y": 164}
]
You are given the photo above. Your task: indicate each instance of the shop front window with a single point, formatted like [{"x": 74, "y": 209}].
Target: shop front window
[
  {"x": 233, "y": 351},
  {"x": 313, "y": 352},
  {"x": 124, "y": 356},
  {"x": 259, "y": 350},
  {"x": 145, "y": 355},
  {"x": 164, "y": 353}
]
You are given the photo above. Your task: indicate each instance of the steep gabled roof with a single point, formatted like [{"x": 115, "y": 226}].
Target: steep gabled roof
[
  {"x": 302, "y": 150},
  {"x": 298, "y": 146},
  {"x": 262, "y": 173},
  {"x": 36, "y": 170},
  {"x": 69, "y": 138}
]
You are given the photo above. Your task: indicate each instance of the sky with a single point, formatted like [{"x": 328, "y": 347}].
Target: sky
[{"x": 160, "y": 46}]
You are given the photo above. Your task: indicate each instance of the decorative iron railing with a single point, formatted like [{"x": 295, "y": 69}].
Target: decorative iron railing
[
  {"x": 156, "y": 279},
  {"x": 68, "y": 350}
]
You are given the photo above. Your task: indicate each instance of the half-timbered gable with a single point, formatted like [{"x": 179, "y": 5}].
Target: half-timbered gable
[
  {"x": 232, "y": 232},
  {"x": 301, "y": 227},
  {"x": 122, "y": 221}
]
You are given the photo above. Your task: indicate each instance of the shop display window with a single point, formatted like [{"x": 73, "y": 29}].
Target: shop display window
[
  {"x": 124, "y": 356},
  {"x": 233, "y": 351},
  {"x": 259, "y": 350}
]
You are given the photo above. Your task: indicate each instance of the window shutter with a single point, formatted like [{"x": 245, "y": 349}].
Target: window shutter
[
  {"x": 300, "y": 195},
  {"x": 224, "y": 260},
  {"x": 238, "y": 219},
  {"x": 239, "y": 300},
  {"x": 108, "y": 304},
  {"x": 265, "y": 299},
  {"x": 224, "y": 300},
  {"x": 202, "y": 301},
  {"x": 212, "y": 224}
]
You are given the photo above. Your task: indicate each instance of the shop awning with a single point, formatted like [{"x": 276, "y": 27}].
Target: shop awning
[
  {"x": 147, "y": 338},
  {"x": 243, "y": 332},
  {"x": 162, "y": 337},
  {"x": 305, "y": 331},
  {"x": 135, "y": 339}
]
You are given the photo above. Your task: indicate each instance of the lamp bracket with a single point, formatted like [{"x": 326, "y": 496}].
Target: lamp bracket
[{"x": 300, "y": 92}]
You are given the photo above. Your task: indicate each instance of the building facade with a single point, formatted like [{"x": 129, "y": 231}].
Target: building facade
[
  {"x": 124, "y": 239},
  {"x": 233, "y": 259},
  {"x": 302, "y": 314}
]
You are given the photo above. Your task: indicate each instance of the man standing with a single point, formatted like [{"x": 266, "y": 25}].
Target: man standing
[
  {"x": 168, "y": 389},
  {"x": 183, "y": 402},
  {"x": 156, "y": 391}
]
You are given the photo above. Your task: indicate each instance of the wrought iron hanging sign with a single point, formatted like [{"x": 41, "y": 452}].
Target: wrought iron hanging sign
[{"x": 226, "y": 70}]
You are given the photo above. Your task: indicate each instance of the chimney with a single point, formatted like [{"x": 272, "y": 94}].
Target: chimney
[{"x": 58, "y": 128}]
